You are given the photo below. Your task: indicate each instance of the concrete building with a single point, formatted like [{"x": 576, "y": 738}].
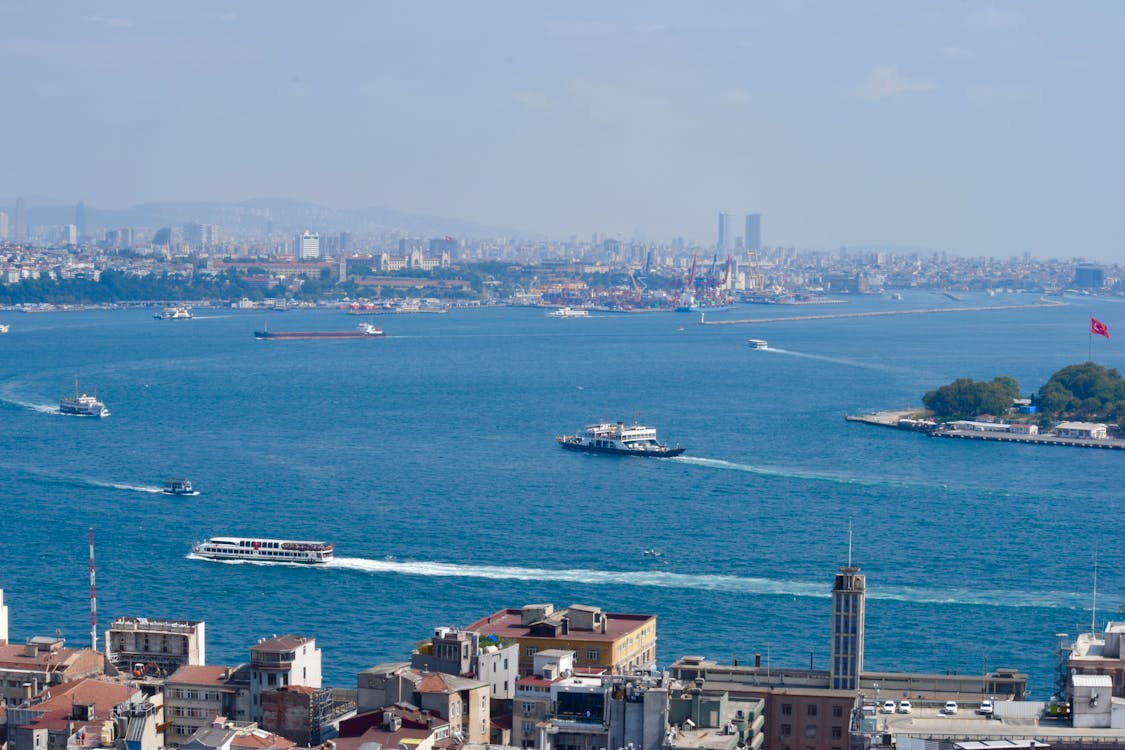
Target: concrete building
[
  {"x": 752, "y": 240},
  {"x": 280, "y": 661},
  {"x": 308, "y": 246},
  {"x": 615, "y": 642},
  {"x": 463, "y": 652},
  {"x": 194, "y": 695},
  {"x": 3, "y": 226},
  {"x": 463, "y": 702},
  {"x": 43, "y": 662},
  {"x": 48, "y": 720},
  {"x": 3, "y": 620},
  {"x": 155, "y": 648},
  {"x": 1104, "y": 654},
  {"x": 1089, "y": 277},
  {"x": 301, "y": 714},
  {"x": 846, "y": 657},
  {"x": 1085, "y": 430},
  {"x": 726, "y": 232},
  {"x": 228, "y": 735}
]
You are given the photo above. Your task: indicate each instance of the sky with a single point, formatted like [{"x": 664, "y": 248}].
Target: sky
[{"x": 977, "y": 128}]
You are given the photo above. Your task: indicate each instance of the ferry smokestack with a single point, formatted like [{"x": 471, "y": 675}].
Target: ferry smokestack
[{"x": 93, "y": 598}]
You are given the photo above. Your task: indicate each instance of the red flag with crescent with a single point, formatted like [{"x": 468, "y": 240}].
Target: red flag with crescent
[{"x": 1098, "y": 327}]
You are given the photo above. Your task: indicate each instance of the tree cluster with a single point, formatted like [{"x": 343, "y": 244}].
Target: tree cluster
[
  {"x": 965, "y": 398},
  {"x": 1087, "y": 392}
]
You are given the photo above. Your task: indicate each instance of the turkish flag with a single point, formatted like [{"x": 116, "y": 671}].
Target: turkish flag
[{"x": 1098, "y": 327}]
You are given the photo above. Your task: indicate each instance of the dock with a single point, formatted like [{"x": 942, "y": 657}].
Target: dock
[
  {"x": 881, "y": 313},
  {"x": 891, "y": 419},
  {"x": 883, "y": 418}
]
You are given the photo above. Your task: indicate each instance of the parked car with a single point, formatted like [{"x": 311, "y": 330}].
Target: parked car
[
  {"x": 985, "y": 708},
  {"x": 888, "y": 707},
  {"x": 949, "y": 708},
  {"x": 904, "y": 707}
]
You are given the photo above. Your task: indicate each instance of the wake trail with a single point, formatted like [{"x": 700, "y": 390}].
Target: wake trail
[
  {"x": 839, "y": 360},
  {"x": 716, "y": 463},
  {"x": 706, "y": 582}
]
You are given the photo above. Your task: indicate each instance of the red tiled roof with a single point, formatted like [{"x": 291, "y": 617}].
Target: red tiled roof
[
  {"x": 104, "y": 695},
  {"x": 13, "y": 656},
  {"x": 260, "y": 738}
]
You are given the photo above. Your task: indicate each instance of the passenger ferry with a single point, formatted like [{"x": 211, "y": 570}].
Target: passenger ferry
[
  {"x": 758, "y": 343},
  {"x": 569, "y": 312},
  {"x": 616, "y": 438},
  {"x": 173, "y": 313},
  {"x": 82, "y": 405},
  {"x": 179, "y": 487},
  {"x": 263, "y": 550}
]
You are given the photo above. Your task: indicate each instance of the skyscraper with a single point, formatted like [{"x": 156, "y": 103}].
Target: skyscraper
[
  {"x": 726, "y": 236},
  {"x": 753, "y": 237},
  {"x": 847, "y": 627},
  {"x": 80, "y": 219},
  {"x": 3, "y": 226},
  {"x": 309, "y": 246},
  {"x": 21, "y": 221}
]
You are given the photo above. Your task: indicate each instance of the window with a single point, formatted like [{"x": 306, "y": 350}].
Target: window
[
  {"x": 786, "y": 709},
  {"x": 837, "y": 733},
  {"x": 786, "y": 730},
  {"x": 811, "y": 709},
  {"x": 810, "y": 730},
  {"x": 531, "y": 650},
  {"x": 528, "y": 707},
  {"x": 592, "y": 654},
  {"x": 837, "y": 711}
]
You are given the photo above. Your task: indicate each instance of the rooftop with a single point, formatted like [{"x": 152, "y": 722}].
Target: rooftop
[{"x": 508, "y": 623}]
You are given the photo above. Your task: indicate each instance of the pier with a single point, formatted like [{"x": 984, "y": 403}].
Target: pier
[
  {"x": 880, "y": 313},
  {"x": 891, "y": 419}
]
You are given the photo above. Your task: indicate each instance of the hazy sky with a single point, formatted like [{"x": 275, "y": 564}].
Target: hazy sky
[{"x": 979, "y": 128}]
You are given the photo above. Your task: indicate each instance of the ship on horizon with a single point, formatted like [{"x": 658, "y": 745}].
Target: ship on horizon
[{"x": 362, "y": 331}]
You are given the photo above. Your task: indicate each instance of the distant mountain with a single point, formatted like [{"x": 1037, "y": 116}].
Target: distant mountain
[{"x": 255, "y": 216}]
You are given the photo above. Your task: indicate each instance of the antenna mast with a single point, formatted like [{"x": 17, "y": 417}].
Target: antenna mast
[
  {"x": 93, "y": 598},
  {"x": 849, "y": 544},
  {"x": 1094, "y": 606}
]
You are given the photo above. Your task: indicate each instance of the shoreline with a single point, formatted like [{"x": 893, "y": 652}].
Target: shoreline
[
  {"x": 882, "y": 313},
  {"x": 891, "y": 418}
]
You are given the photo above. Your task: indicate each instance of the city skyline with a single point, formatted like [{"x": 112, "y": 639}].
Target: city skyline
[{"x": 989, "y": 131}]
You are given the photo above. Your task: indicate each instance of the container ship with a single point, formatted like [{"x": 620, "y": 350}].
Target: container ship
[{"x": 362, "y": 331}]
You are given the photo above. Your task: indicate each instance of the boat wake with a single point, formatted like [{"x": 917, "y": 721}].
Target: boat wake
[
  {"x": 840, "y": 360},
  {"x": 715, "y": 463},
  {"x": 121, "y": 486},
  {"x": 704, "y": 582}
]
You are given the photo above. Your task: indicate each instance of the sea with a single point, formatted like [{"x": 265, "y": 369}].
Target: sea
[{"x": 429, "y": 459}]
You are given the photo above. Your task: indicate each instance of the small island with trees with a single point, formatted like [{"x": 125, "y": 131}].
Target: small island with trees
[{"x": 1080, "y": 405}]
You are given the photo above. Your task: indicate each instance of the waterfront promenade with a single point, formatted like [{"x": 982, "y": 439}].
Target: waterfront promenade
[
  {"x": 880, "y": 313},
  {"x": 891, "y": 418}
]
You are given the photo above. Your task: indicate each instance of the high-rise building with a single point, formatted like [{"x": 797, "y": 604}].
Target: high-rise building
[
  {"x": 848, "y": 593},
  {"x": 752, "y": 240},
  {"x": 68, "y": 234},
  {"x": 21, "y": 221},
  {"x": 163, "y": 237},
  {"x": 80, "y": 218},
  {"x": 1089, "y": 277},
  {"x": 308, "y": 246},
  {"x": 3, "y": 226},
  {"x": 726, "y": 233}
]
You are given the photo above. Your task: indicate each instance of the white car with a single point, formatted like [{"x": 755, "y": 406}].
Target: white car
[
  {"x": 888, "y": 707},
  {"x": 949, "y": 708},
  {"x": 904, "y": 707},
  {"x": 985, "y": 708}
]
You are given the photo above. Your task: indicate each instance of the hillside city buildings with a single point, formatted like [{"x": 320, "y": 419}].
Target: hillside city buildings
[{"x": 537, "y": 677}]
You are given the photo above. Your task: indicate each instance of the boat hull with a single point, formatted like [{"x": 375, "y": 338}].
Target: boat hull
[
  {"x": 663, "y": 452},
  {"x": 313, "y": 335}
]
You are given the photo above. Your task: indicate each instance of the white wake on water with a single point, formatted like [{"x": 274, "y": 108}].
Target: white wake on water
[
  {"x": 706, "y": 582},
  {"x": 718, "y": 463},
  {"x": 839, "y": 360},
  {"x": 121, "y": 486}
]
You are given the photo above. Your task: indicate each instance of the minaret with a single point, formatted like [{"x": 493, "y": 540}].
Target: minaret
[{"x": 847, "y": 625}]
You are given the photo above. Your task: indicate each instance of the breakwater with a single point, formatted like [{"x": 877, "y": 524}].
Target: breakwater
[{"x": 881, "y": 313}]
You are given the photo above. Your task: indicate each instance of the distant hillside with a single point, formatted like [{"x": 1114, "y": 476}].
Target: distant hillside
[{"x": 253, "y": 217}]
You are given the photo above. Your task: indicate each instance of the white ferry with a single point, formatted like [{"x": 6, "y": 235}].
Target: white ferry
[
  {"x": 263, "y": 550},
  {"x": 616, "y": 438},
  {"x": 82, "y": 405},
  {"x": 569, "y": 312},
  {"x": 173, "y": 313},
  {"x": 758, "y": 343}
]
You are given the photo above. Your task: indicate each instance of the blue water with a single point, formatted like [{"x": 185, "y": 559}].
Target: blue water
[{"x": 428, "y": 458}]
